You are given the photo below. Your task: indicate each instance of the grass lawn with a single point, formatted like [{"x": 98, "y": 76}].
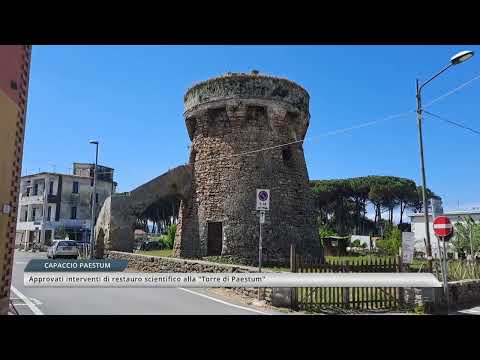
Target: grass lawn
[{"x": 164, "y": 253}]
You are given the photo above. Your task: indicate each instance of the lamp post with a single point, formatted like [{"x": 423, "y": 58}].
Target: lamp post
[
  {"x": 454, "y": 60},
  {"x": 94, "y": 204}
]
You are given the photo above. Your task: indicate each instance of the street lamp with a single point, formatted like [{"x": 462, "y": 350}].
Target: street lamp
[
  {"x": 458, "y": 58},
  {"x": 92, "y": 224}
]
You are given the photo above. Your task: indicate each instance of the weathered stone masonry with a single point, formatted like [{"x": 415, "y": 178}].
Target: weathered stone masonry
[
  {"x": 158, "y": 264},
  {"x": 231, "y": 115},
  {"x": 239, "y": 125}
]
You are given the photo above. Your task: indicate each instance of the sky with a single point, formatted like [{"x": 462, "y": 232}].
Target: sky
[{"x": 130, "y": 99}]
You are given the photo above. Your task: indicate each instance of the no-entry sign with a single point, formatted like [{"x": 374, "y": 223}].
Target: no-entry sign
[{"x": 443, "y": 227}]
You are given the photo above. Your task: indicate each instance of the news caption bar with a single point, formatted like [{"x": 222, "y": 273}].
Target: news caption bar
[{"x": 110, "y": 273}]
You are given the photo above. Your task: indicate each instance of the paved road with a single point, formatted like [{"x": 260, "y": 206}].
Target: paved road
[{"x": 116, "y": 301}]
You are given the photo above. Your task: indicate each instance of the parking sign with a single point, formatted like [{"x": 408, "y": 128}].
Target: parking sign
[{"x": 263, "y": 199}]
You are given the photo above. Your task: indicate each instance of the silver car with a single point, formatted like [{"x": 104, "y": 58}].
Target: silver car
[{"x": 63, "y": 248}]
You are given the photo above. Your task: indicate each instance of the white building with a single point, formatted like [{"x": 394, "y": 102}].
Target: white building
[
  {"x": 49, "y": 201},
  {"x": 418, "y": 226}
]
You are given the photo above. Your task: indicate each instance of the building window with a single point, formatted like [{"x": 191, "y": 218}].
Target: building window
[
  {"x": 26, "y": 215},
  {"x": 13, "y": 85},
  {"x": 33, "y": 213},
  {"x": 73, "y": 214},
  {"x": 96, "y": 198},
  {"x": 75, "y": 187},
  {"x": 35, "y": 189},
  {"x": 49, "y": 214},
  {"x": 28, "y": 191},
  {"x": 50, "y": 189}
]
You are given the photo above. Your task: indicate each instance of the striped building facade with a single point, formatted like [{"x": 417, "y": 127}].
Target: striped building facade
[{"x": 14, "y": 78}]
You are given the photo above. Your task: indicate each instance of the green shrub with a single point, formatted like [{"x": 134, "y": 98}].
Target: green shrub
[
  {"x": 391, "y": 243},
  {"x": 325, "y": 231},
  {"x": 168, "y": 239},
  {"x": 356, "y": 243}
]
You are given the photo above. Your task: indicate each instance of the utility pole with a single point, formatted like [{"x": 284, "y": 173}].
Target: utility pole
[
  {"x": 424, "y": 180},
  {"x": 471, "y": 240},
  {"x": 454, "y": 60},
  {"x": 94, "y": 203}
]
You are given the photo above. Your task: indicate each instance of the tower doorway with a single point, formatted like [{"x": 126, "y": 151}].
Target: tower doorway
[{"x": 214, "y": 233}]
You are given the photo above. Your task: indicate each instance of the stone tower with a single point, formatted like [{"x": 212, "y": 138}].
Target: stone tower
[{"x": 228, "y": 118}]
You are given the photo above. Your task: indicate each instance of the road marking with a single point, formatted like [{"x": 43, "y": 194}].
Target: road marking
[
  {"x": 224, "y": 302},
  {"x": 27, "y": 301},
  {"x": 36, "y": 301}
]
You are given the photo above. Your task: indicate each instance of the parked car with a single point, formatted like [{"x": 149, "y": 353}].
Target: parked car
[
  {"x": 63, "y": 248},
  {"x": 150, "y": 245}
]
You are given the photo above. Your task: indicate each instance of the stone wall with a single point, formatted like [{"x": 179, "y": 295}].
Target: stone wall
[
  {"x": 147, "y": 263},
  {"x": 236, "y": 114},
  {"x": 247, "y": 132},
  {"x": 462, "y": 294},
  {"x": 115, "y": 225}
]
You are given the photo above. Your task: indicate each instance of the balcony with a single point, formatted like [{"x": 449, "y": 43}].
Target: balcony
[
  {"x": 28, "y": 225},
  {"x": 67, "y": 223},
  {"x": 30, "y": 200}
]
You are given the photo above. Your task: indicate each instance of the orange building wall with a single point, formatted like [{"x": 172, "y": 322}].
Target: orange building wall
[{"x": 14, "y": 66}]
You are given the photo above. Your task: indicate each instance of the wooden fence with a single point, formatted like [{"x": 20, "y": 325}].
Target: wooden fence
[{"x": 315, "y": 299}]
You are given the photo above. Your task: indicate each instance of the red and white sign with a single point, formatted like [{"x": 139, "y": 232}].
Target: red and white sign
[{"x": 442, "y": 226}]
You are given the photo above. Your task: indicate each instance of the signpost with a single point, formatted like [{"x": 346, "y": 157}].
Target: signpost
[
  {"x": 263, "y": 204},
  {"x": 408, "y": 247},
  {"x": 262, "y": 217},
  {"x": 262, "y": 221},
  {"x": 443, "y": 229}
]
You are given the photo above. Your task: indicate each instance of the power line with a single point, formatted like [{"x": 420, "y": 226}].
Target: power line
[
  {"x": 453, "y": 122},
  {"x": 250, "y": 152},
  {"x": 370, "y": 123},
  {"x": 327, "y": 134},
  {"x": 452, "y": 91}
]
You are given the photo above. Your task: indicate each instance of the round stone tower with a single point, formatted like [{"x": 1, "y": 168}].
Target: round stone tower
[{"x": 238, "y": 124}]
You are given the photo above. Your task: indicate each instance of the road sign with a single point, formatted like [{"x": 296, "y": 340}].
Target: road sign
[
  {"x": 443, "y": 227},
  {"x": 408, "y": 247},
  {"x": 263, "y": 199}
]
